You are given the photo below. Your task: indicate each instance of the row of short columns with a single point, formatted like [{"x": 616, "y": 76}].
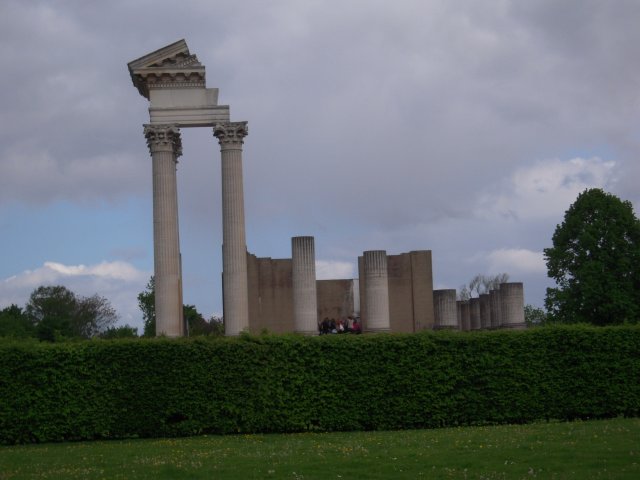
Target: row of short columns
[{"x": 500, "y": 308}]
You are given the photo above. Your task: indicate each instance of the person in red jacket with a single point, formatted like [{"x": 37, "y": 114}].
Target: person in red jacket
[{"x": 355, "y": 326}]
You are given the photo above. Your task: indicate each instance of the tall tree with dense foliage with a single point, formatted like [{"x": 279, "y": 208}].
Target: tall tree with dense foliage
[
  {"x": 595, "y": 262},
  {"x": 14, "y": 323},
  {"x": 196, "y": 323},
  {"x": 147, "y": 304},
  {"x": 57, "y": 313}
]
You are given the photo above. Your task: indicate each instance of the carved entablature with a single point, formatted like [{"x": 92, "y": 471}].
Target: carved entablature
[
  {"x": 170, "y": 67},
  {"x": 173, "y": 81}
]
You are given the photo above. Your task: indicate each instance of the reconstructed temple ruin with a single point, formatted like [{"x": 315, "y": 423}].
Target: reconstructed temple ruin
[{"x": 394, "y": 293}]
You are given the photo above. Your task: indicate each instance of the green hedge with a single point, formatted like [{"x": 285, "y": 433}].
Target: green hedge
[{"x": 161, "y": 387}]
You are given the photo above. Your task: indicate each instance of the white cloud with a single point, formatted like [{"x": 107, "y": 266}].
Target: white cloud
[
  {"x": 516, "y": 260},
  {"x": 331, "y": 269},
  {"x": 547, "y": 188},
  {"x": 119, "y": 282}
]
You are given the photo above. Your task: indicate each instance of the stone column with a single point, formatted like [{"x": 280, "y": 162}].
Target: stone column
[
  {"x": 494, "y": 300},
  {"x": 444, "y": 309},
  {"x": 485, "y": 312},
  {"x": 512, "y": 305},
  {"x": 459, "y": 314},
  {"x": 305, "y": 300},
  {"x": 377, "y": 291},
  {"x": 234, "y": 246},
  {"x": 165, "y": 147},
  {"x": 465, "y": 315},
  {"x": 474, "y": 314}
]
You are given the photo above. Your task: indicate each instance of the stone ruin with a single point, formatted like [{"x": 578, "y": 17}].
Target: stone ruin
[{"x": 394, "y": 293}]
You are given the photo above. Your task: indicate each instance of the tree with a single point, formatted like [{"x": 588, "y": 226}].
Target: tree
[
  {"x": 14, "y": 323},
  {"x": 93, "y": 315},
  {"x": 125, "y": 331},
  {"x": 199, "y": 326},
  {"x": 51, "y": 310},
  {"x": 196, "y": 323},
  {"x": 534, "y": 316},
  {"x": 57, "y": 313},
  {"x": 595, "y": 262},
  {"x": 147, "y": 303},
  {"x": 482, "y": 284}
]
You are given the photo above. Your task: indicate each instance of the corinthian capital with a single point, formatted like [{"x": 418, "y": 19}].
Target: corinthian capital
[
  {"x": 163, "y": 138},
  {"x": 230, "y": 134}
]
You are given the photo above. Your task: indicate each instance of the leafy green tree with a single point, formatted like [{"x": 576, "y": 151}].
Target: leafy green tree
[
  {"x": 93, "y": 315},
  {"x": 595, "y": 262},
  {"x": 147, "y": 304},
  {"x": 199, "y": 326},
  {"x": 57, "y": 313},
  {"x": 534, "y": 316},
  {"x": 14, "y": 323},
  {"x": 216, "y": 326},
  {"x": 125, "y": 331},
  {"x": 51, "y": 310},
  {"x": 196, "y": 323}
]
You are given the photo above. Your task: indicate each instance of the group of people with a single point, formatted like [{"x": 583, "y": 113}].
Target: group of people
[{"x": 342, "y": 325}]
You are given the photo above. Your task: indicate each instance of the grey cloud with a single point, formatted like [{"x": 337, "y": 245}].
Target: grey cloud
[{"x": 369, "y": 121}]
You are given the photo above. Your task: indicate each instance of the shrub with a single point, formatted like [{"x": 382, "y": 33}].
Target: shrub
[{"x": 161, "y": 387}]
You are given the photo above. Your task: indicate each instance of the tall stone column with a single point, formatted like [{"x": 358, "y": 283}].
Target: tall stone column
[
  {"x": 444, "y": 309},
  {"x": 305, "y": 300},
  {"x": 377, "y": 291},
  {"x": 512, "y": 305},
  {"x": 474, "y": 314},
  {"x": 165, "y": 147},
  {"x": 234, "y": 246},
  {"x": 485, "y": 312},
  {"x": 465, "y": 315},
  {"x": 496, "y": 316}
]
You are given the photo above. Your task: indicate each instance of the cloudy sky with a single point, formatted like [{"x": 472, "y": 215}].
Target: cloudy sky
[{"x": 462, "y": 127}]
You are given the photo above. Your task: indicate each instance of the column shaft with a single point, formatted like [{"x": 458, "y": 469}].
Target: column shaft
[
  {"x": 474, "y": 314},
  {"x": 512, "y": 305},
  {"x": 165, "y": 147},
  {"x": 377, "y": 291},
  {"x": 485, "y": 312},
  {"x": 496, "y": 316},
  {"x": 234, "y": 245},
  {"x": 305, "y": 300},
  {"x": 465, "y": 315},
  {"x": 445, "y": 310}
]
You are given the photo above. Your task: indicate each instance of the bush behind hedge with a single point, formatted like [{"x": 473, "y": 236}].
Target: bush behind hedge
[{"x": 161, "y": 387}]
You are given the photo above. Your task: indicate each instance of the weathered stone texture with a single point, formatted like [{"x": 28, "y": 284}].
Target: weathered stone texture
[
  {"x": 270, "y": 294},
  {"x": 445, "y": 309},
  {"x": 512, "y": 305}
]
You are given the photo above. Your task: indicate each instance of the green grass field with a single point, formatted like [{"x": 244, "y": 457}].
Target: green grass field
[{"x": 578, "y": 450}]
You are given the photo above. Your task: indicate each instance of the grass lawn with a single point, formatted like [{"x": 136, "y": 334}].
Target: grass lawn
[{"x": 578, "y": 450}]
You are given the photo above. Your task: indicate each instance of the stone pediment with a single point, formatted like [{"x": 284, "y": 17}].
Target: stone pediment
[
  {"x": 173, "y": 81},
  {"x": 172, "y": 67}
]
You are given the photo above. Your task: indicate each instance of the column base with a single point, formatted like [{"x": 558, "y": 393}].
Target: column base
[
  {"x": 307, "y": 333},
  {"x": 515, "y": 326},
  {"x": 377, "y": 330}
]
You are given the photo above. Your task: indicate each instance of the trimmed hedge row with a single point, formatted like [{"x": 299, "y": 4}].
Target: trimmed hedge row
[{"x": 160, "y": 387}]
